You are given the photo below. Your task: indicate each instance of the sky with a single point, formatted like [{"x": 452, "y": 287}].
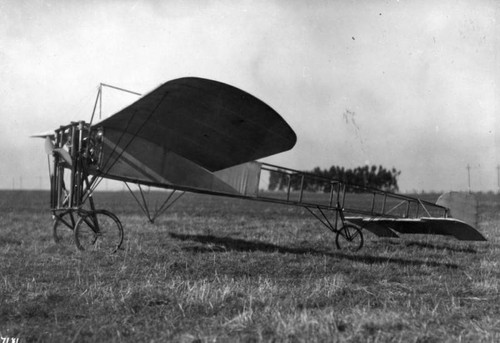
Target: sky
[{"x": 405, "y": 84}]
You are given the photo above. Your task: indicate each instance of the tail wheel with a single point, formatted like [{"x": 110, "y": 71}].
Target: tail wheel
[
  {"x": 349, "y": 238},
  {"x": 62, "y": 230},
  {"x": 99, "y": 230}
]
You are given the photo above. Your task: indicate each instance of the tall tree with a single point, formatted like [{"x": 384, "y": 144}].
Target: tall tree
[{"x": 367, "y": 176}]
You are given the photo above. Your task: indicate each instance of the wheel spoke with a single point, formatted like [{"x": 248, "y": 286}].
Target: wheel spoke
[{"x": 354, "y": 235}]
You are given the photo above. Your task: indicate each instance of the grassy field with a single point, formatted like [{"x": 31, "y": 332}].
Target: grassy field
[{"x": 215, "y": 269}]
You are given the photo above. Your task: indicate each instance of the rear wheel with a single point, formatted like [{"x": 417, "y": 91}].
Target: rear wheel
[
  {"x": 99, "y": 230},
  {"x": 349, "y": 238}
]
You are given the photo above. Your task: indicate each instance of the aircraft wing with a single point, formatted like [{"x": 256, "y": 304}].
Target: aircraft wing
[
  {"x": 187, "y": 129},
  {"x": 210, "y": 123},
  {"x": 387, "y": 227}
]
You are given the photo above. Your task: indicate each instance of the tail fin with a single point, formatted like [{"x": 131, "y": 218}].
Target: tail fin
[{"x": 462, "y": 206}]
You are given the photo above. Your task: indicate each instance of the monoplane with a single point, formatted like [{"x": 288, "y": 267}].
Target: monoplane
[{"x": 204, "y": 136}]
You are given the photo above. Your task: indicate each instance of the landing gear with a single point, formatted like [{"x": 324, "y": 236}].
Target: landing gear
[
  {"x": 89, "y": 230},
  {"x": 98, "y": 230},
  {"x": 349, "y": 238}
]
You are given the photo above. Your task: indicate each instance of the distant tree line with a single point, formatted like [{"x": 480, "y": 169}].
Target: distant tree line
[{"x": 367, "y": 176}]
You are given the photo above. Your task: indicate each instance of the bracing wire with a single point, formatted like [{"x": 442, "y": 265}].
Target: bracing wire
[
  {"x": 99, "y": 100},
  {"x": 115, "y": 160}
]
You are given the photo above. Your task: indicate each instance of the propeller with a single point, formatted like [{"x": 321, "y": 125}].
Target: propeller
[
  {"x": 64, "y": 154},
  {"x": 44, "y": 134},
  {"x": 49, "y": 145},
  {"x": 49, "y": 149}
]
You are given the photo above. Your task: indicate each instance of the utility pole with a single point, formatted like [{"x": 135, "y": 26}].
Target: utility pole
[
  {"x": 498, "y": 178},
  {"x": 468, "y": 175}
]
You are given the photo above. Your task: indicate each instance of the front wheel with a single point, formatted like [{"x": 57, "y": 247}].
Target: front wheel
[
  {"x": 99, "y": 230},
  {"x": 350, "y": 238}
]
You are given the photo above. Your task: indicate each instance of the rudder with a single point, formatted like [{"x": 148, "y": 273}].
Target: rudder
[{"x": 462, "y": 206}]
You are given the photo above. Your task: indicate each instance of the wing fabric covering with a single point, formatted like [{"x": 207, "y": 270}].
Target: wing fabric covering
[
  {"x": 387, "y": 227},
  {"x": 185, "y": 130}
]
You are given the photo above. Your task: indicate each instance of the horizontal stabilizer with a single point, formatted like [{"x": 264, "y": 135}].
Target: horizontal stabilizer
[
  {"x": 457, "y": 228},
  {"x": 373, "y": 225},
  {"x": 431, "y": 226}
]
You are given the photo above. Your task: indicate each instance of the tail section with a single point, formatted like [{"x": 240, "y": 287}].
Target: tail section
[{"x": 462, "y": 206}]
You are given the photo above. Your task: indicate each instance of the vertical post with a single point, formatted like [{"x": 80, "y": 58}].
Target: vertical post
[
  {"x": 498, "y": 178},
  {"x": 55, "y": 184},
  {"x": 100, "y": 101},
  {"x": 468, "y": 175},
  {"x": 331, "y": 194},
  {"x": 338, "y": 193},
  {"x": 301, "y": 188},
  {"x": 343, "y": 195},
  {"x": 60, "y": 170},
  {"x": 79, "y": 167},
  {"x": 73, "y": 153},
  {"x": 338, "y": 206},
  {"x": 288, "y": 187}
]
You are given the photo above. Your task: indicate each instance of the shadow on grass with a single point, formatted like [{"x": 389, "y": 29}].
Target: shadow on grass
[
  {"x": 232, "y": 244},
  {"x": 441, "y": 247}
]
